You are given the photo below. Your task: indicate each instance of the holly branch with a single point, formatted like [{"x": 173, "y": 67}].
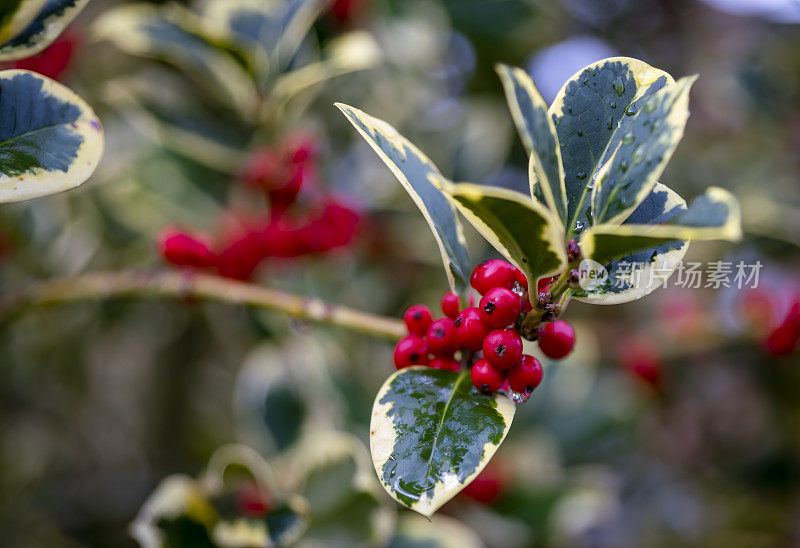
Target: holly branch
[{"x": 190, "y": 286}]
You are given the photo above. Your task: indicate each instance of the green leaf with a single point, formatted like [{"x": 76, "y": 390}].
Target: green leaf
[
  {"x": 50, "y": 140},
  {"x": 521, "y": 229},
  {"x": 432, "y": 432},
  {"x": 713, "y": 216},
  {"x": 654, "y": 264},
  {"x": 175, "y": 35},
  {"x": 649, "y": 138},
  {"x": 415, "y": 172},
  {"x": 49, "y": 23},
  {"x": 15, "y": 15},
  {"x": 587, "y": 113},
  {"x": 538, "y": 135}
]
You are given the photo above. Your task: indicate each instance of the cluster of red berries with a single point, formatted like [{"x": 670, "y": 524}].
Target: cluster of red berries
[
  {"x": 484, "y": 337},
  {"x": 784, "y": 339},
  {"x": 280, "y": 173}
]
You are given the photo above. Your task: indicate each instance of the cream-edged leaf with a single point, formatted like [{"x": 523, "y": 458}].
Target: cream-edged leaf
[
  {"x": 713, "y": 216},
  {"x": 538, "y": 134},
  {"x": 351, "y": 52},
  {"x": 15, "y": 15},
  {"x": 651, "y": 132},
  {"x": 49, "y": 22},
  {"x": 524, "y": 231},
  {"x": 415, "y": 172},
  {"x": 432, "y": 433},
  {"x": 587, "y": 113},
  {"x": 272, "y": 28},
  {"x": 50, "y": 139},
  {"x": 638, "y": 274},
  {"x": 176, "y": 35}
]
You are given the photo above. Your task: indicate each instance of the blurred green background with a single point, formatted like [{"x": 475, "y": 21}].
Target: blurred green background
[{"x": 671, "y": 425}]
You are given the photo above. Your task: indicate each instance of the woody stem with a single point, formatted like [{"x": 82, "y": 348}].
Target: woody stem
[{"x": 184, "y": 285}]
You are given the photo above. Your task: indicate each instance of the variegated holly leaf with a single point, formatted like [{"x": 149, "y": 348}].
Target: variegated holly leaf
[
  {"x": 415, "y": 172},
  {"x": 270, "y": 30},
  {"x": 713, "y": 216},
  {"x": 588, "y": 113},
  {"x": 176, "y": 35},
  {"x": 651, "y": 132},
  {"x": 50, "y": 21},
  {"x": 538, "y": 134},
  {"x": 432, "y": 433},
  {"x": 524, "y": 231},
  {"x": 638, "y": 274},
  {"x": 50, "y": 139},
  {"x": 15, "y": 15}
]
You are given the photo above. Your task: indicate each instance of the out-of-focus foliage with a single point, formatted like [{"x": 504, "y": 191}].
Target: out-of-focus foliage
[{"x": 671, "y": 424}]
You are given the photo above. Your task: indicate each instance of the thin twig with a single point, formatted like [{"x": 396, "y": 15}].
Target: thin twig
[{"x": 185, "y": 285}]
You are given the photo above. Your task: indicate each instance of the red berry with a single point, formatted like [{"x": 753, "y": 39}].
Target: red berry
[
  {"x": 503, "y": 348},
  {"x": 489, "y": 486},
  {"x": 493, "y": 273},
  {"x": 410, "y": 351},
  {"x": 439, "y": 362},
  {"x": 418, "y": 318},
  {"x": 520, "y": 278},
  {"x": 556, "y": 339},
  {"x": 470, "y": 329},
  {"x": 526, "y": 375},
  {"x": 441, "y": 337},
  {"x": 54, "y": 60},
  {"x": 642, "y": 359},
  {"x": 544, "y": 283},
  {"x": 181, "y": 249},
  {"x": 486, "y": 378},
  {"x": 500, "y": 307},
  {"x": 450, "y": 304}
]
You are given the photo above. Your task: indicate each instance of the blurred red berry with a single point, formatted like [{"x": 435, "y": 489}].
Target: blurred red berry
[
  {"x": 557, "y": 339},
  {"x": 54, "y": 60},
  {"x": 450, "y": 304},
  {"x": 488, "y": 486},
  {"x": 642, "y": 359},
  {"x": 526, "y": 375},
  {"x": 182, "y": 249},
  {"x": 439, "y": 362},
  {"x": 503, "y": 348},
  {"x": 410, "y": 351},
  {"x": 417, "y": 319},
  {"x": 486, "y": 378},
  {"x": 784, "y": 339},
  {"x": 491, "y": 274},
  {"x": 470, "y": 329},
  {"x": 253, "y": 502},
  {"x": 241, "y": 258},
  {"x": 441, "y": 337},
  {"x": 500, "y": 307}
]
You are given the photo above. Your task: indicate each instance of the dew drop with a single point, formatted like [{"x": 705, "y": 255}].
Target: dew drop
[
  {"x": 649, "y": 106},
  {"x": 631, "y": 110},
  {"x": 623, "y": 165},
  {"x": 613, "y": 104},
  {"x": 581, "y": 175},
  {"x": 628, "y": 138},
  {"x": 518, "y": 397},
  {"x": 580, "y": 133},
  {"x": 619, "y": 86},
  {"x": 638, "y": 155}
]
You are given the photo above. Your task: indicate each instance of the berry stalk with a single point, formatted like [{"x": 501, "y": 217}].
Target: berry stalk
[{"x": 185, "y": 285}]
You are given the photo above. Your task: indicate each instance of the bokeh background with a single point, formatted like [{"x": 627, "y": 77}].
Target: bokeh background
[{"x": 675, "y": 423}]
